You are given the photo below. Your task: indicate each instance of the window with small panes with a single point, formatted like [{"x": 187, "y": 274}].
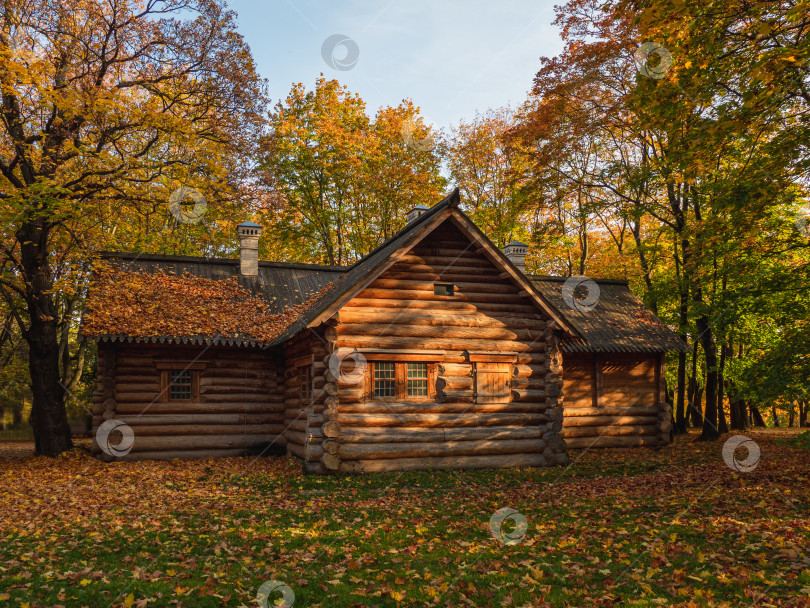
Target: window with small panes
[{"x": 400, "y": 381}]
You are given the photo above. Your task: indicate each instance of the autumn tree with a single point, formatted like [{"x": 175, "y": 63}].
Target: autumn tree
[
  {"x": 490, "y": 175},
  {"x": 693, "y": 150},
  {"x": 107, "y": 107},
  {"x": 739, "y": 77},
  {"x": 340, "y": 181},
  {"x": 403, "y": 161}
]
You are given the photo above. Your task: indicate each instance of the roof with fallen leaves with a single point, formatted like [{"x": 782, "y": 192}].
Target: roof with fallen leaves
[{"x": 157, "y": 306}]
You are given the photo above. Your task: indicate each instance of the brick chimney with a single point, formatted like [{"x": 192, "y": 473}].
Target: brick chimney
[
  {"x": 249, "y": 234},
  {"x": 516, "y": 252}
]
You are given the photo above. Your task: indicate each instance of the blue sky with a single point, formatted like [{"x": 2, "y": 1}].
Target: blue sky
[{"x": 452, "y": 57}]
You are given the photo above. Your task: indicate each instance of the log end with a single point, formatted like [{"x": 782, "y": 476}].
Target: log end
[{"x": 330, "y": 461}]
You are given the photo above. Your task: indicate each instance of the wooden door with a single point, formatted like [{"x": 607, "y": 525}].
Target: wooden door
[{"x": 492, "y": 383}]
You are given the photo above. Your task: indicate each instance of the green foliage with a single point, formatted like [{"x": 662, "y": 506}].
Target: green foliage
[{"x": 800, "y": 441}]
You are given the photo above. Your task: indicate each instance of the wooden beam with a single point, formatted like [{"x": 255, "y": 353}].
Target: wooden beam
[
  {"x": 302, "y": 361},
  {"x": 492, "y": 356},
  {"x": 401, "y": 354},
  {"x": 180, "y": 365}
]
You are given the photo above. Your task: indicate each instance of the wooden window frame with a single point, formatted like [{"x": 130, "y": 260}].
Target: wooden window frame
[
  {"x": 306, "y": 379},
  {"x": 300, "y": 364},
  {"x": 165, "y": 380},
  {"x": 401, "y": 380},
  {"x": 485, "y": 356},
  {"x": 399, "y": 354},
  {"x": 175, "y": 384}
]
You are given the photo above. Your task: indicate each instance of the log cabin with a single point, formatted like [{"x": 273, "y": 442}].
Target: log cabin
[{"x": 436, "y": 350}]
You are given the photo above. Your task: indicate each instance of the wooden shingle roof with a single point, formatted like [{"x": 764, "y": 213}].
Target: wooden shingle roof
[
  {"x": 160, "y": 305},
  {"x": 618, "y": 321}
]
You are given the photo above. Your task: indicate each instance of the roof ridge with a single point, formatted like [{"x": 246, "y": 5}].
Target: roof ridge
[{"x": 350, "y": 277}]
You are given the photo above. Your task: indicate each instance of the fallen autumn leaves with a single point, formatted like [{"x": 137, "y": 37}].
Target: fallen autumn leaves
[{"x": 620, "y": 527}]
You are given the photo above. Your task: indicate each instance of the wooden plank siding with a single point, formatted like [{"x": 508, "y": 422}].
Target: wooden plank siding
[
  {"x": 398, "y": 312},
  {"x": 614, "y": 400},
  {"x": 239, "y": 408}
]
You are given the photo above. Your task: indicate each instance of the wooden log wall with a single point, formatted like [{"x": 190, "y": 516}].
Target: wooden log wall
[
  {"x": 400, "y": 311},
  {"x": 104, "y": 395},
  {"x": 556, "y": 448},
  {"x": 304, "y": 419},
  {"x": 240, "y": 408},
  {"x": 614, "y": 400}
]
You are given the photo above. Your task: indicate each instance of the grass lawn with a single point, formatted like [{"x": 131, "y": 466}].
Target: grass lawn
[{"x": 674, "y": 526}]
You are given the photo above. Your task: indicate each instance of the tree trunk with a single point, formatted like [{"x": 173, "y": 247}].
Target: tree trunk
[
  {"x": 698, "y": 411},
  {"x": 738, "y": 414},
  {"x": 742, "y": 408},
  {"x": 775, "y": 417},
  {"x": 706, "y": 338},
  {"x": 759, "y": 421},
  {"x": 48, "y": 415},
  {"x": 791, "y": 415},
  {"x": 710, "y": 430},
  {"x": 683, "y": 320},
  {"x": 680, "y": 407},
  {"x": 694, "y": 395},
  {"x": 721, "y": 416},
  {"x": 802, "y": 414}
]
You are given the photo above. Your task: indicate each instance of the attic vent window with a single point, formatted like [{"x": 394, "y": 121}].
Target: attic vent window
[{"x": 444, "y": 289}]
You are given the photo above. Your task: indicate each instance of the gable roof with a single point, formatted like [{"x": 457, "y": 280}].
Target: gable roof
[
  {"x": 363, "y": 272},
  {"x": 195, "y": 300},
  {"x": 618, "y": 323}
]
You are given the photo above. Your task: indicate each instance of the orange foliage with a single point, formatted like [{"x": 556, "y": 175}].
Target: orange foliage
[{"x": 149, "y": 305}]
